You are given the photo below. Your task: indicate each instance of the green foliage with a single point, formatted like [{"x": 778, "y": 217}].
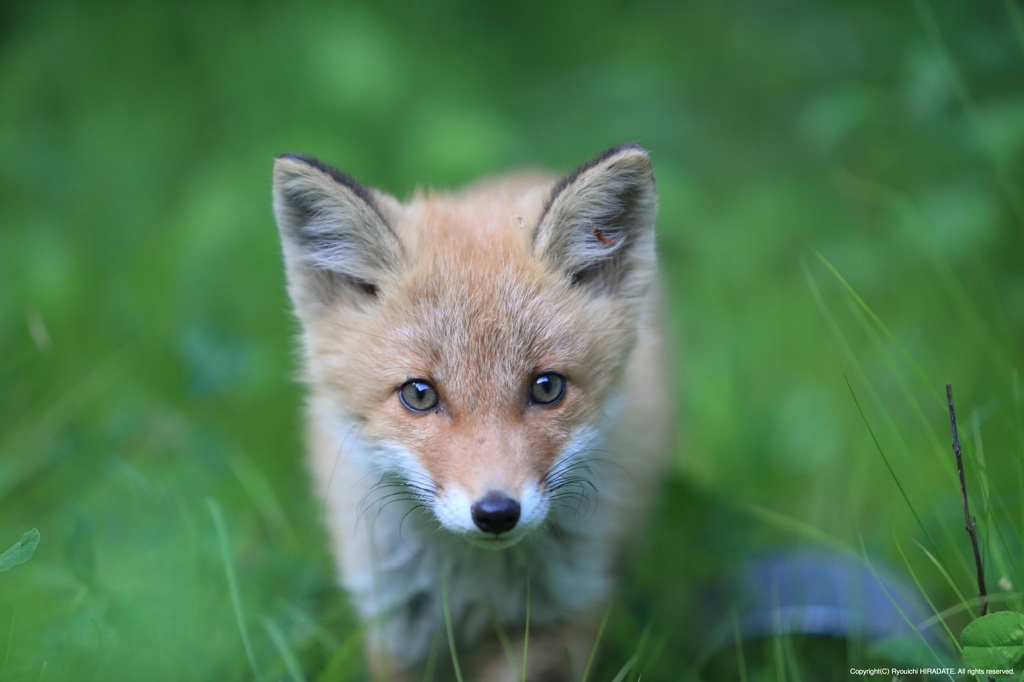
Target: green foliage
[
  {"x": 20, "y": 552},
  {"x": 147, "y": 353},
  {"x": 994, "y": 642}
]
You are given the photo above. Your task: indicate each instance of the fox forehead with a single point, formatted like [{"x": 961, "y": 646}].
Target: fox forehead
[{"x": 476, "y": 312}]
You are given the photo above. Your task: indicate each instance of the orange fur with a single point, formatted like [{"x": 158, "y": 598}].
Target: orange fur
[{"x": 477, "y": 293}]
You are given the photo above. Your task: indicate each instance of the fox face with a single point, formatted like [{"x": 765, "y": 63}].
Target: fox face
[{"x": 474, "y": 341}]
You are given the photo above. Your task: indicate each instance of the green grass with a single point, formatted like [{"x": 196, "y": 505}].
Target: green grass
[{"x": 840, "y": 215}]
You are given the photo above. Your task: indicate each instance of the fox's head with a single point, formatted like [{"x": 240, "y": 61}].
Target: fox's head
[{"x": 475, "y": 338}]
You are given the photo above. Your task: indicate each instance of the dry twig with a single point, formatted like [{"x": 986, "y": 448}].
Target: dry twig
[{"x": 963, "y": 494}]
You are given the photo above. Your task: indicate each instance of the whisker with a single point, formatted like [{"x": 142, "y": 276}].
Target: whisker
[
  {"x": 402, "y": 521},
  {"x": 388, "y": 503},
  {"x": 358, "y": 424},
  {"x": 571, "y": 481}
]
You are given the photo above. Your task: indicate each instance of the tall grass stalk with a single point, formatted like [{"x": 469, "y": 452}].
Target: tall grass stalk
[
  {"x": 506, "y": 644},
  {"x": 448, "y": 627},
  {"x": 624, "y": 670},
  {"x": 597, "y": 641},
  {"x": 526, "y": 635},
  {"x": 741, "y": 663},
  {"x": 948, "y": 577},
  {"x": 924, "y": 593},
  {"x": 284, "y": 650},
  {"x": 925, "y": 381},
  {"x": 432, "y": 658},
  {"x": 229, "y": 571},
  {"x": 854, "y": 361},
  {"x": 888, "y": 466},
  {"x": 895, "y": 605}
]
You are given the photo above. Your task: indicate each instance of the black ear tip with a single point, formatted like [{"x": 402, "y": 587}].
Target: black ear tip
[
  {"x": 334, "y": 174},
  {"x": 611, "y": 153},
  {"x": 631, "y": 147},
  {"x": 632, "y": 157},
  {"x": 289, "y": 165},
  {"x": 310, "y": 161}
]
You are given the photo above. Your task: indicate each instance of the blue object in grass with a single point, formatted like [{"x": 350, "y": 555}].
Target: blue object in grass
[{"x": 819, "y": 593}]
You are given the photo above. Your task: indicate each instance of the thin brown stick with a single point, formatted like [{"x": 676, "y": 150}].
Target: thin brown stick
[{"x": 963, "y": 494}]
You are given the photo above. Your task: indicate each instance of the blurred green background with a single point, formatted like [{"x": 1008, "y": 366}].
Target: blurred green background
[{"x": 146, "y": 348}]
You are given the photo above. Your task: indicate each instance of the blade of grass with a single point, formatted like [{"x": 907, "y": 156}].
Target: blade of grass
[
  {"x": 741, "y": 663},
  {"x": 642, "y": 644},
  {"x": 624, "y": 670},
  {"x": 48, "y": 417},
  {"x": 795, "y": 526},
  {"x": 344, "y": 662},
  {"x": 792, "y": 663},
  {"x": 779, "y": 659},
  {"x": 778, "y": 656},
  {"x": 952, "y": 540},
  {"x": 948, "y": 577},
  {"x": 924, "y": 592},
  {"x": 432, "y": 658},
  {"x": 995, "y": 549},
  {"x": 999, "y": 598},
  {"x": 881, "y": 325},
  {"x": 448, "y": 627},
  {"x": 888, "y": 466},
  {"x": 259, "y": 490},
  {"x": 851, "y": 357},
  {"x": 277, "y": 638},
  {"x": 229, "y": 571},
  {"x": 506, "y": 644},
  {"x": 937, "y": 448},
  {"x": 526, "y": 635},
  {"x": 597, "y": 641},
  {"x": 658, "y": 649},
  {"x": 895, "y": 604}
]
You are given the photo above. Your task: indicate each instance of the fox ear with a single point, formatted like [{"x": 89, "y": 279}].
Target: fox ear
[
  {"x": 334, "y": 234},
  {"x": 598, "y": 225}
]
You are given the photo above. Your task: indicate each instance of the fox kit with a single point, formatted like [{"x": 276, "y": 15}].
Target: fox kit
[{"x": 488, "y": 405}]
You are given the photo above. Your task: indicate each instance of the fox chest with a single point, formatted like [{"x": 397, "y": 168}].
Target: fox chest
[{"x": 416, "y": 574}]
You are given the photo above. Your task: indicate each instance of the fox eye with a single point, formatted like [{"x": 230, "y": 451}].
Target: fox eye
[
  {"x": 418, "y": 396},
  {"x": 547, "y": 389}
]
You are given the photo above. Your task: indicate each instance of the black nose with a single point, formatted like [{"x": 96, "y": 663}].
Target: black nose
[{"x": 496, "y": 513}]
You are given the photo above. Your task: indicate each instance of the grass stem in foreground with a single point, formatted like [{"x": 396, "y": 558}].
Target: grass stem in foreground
[
  {"x": 229, "y": 571},
  {"x": 448, "y": 627},
  {"x": 597, "y": 641},
  {"x": 526, "y": 636}
]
